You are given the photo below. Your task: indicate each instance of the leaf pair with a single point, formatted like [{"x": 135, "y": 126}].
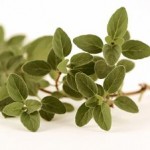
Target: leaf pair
[{"x": 101, "y": 114}]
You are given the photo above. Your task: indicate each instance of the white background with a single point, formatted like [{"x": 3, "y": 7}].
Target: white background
[{"x": 41, "y": 17}]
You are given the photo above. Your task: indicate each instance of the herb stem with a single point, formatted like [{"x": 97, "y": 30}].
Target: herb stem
[
  {"x": 143, "y": 88},
  {"x": 45, "y": 91},
  {"x": 57, "y": 81}
]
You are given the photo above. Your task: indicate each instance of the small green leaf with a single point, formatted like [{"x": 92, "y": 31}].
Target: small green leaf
[
  {"x": 31, "y": 121},
  {"x": 85, "y": 85},
  {"x": 111, "y": 53},
  {"x": 39, "y": 48},
  {"x": 117, "y": 25},
  {"x": 126, "y": 104},
  {"x": 61, "y": 43},
  {"x": 126, "y": 36},
  {"x": 13, "y": 109},
  {"x": 32, "y": 105},
  {"x": 87, "y": 69},
  {"x": 1, "y": 34},
  {"x": 80, "y": 59},
  {"x": 114, "y": 79},
  {"x": 43, "y": 83},
  {"x": 102, "y": 116},
  {"x": 100, "y": 90},
  {"x": 17, "y": 88},
  {"x": 16, "y": 40},
  {"x": 53, "y": 60},
  {"x": 70, "y": 78},
  {"x": 71, "y": 93},
  {"x": 46, "y": 115},
  {"x": 37, "y": 68},
  {"x": 5, "y": 102},
  {"x": 62, "y": 66},
  {"x": 102, "y": 69},
  {"x": 89, "y": 43},
  {"x": 94, "y": 101},
  {"x": 69, "y": 107},
  {"x": 3, "y": 92},
  {"x": 134, "y": 49},
  {"x": 83, "y": 115},
  {"x": 53, "y": 105},
  {"x": 129, "y": 65}
]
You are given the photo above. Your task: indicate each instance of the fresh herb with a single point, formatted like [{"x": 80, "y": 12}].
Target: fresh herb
[{"x": 25, "y": 69}]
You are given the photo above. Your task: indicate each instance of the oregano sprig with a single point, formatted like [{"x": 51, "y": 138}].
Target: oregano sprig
[{"x": 25, "y": 69}]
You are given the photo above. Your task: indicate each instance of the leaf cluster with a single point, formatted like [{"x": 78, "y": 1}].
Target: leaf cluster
[{"x": 25, "y": 70}]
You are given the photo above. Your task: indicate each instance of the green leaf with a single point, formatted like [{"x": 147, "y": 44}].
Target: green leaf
[
  {"x": 71, "y": 93},
  {"x": 83, "y": 115},
  {"x": 102, "y": 69},
  {"x": 3, "y": 92},
  {"x": 62, "y": 66},
  {"x": 102, "y": 116},
  {"x": 17, "y": 88},
  {"x": 134, "y": 49},
  {"x": 100, "y": 90},
  {"x": 85, "y": 85},
  {"x": 61, "y": 43},
  {"x": 129, "y": 65},
  {"x": 117, "y": 25},
  {"x": 111, "y": 53},
  {"x": 31, "y": 121},
  {"x": 46, "y": 115},
  {"x": 70, "y": 78},
  {"x": 16, "y": 40},
  {"x": 32, "y": 105},
  {"x": 69, "y": 107},
  {"x": 53, "y": 105},
  {"x": 114, "y": 79},
  {"x": 14, "y": 62},
  {"x": 80, "y": 59},
  {"x": 1, "y": 34},
  {"x": 53, "y": 60},
  {"x": 39, "y": 48},
  {"x": 58, "y": 94},
  {"x": 37, "y": 68},
  {"x": 94, "y": 101},
  {"x": 54, "y": 74},
  {"x": 5, "y": 102},
  {"x": 126, "y": 104},
  {"x": 43, "y": 83},
  {"x": 126, "y": 36},
  {"x": 87, "y": 69},
  {"x": 89, "y": 43},
  {"x": 13, "y": 109}
]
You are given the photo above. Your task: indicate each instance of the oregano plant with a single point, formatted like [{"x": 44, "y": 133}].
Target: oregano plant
[{"x": 43, "y": 65}]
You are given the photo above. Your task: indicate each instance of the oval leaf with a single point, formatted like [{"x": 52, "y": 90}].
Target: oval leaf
[
  {"x": 80, "y": 59},
  {"x": 31, "y": 121},
  {"x": 114, "y": 79},
  {"x": 17, "y": 88},
  {"x": 69, "y": 107},
  {"x": 134, "y": 49},
  {"x": 62, "y": 66},
  {"x": 111, "y": 53},
  {"x": 32, "y": 105},
  {"x": 61, "y": 43},
  {"x": 102, "y": 69},
  {"x": 89, "y": 43},
  {"x": 85, "y": 85},
  {"x": 37, "y": 68},
  {"x": 46, "y": 115},
  {"x": 102, "y": 116},
  {"x": 126, "y": 104},
  {"x": 117, "y": 25},
  {"x": 53, "y": 105},
  {"x": 13, "y": 109},
  {"x": 129, "y": 65},
  {"x": 83, "y": 115}
]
